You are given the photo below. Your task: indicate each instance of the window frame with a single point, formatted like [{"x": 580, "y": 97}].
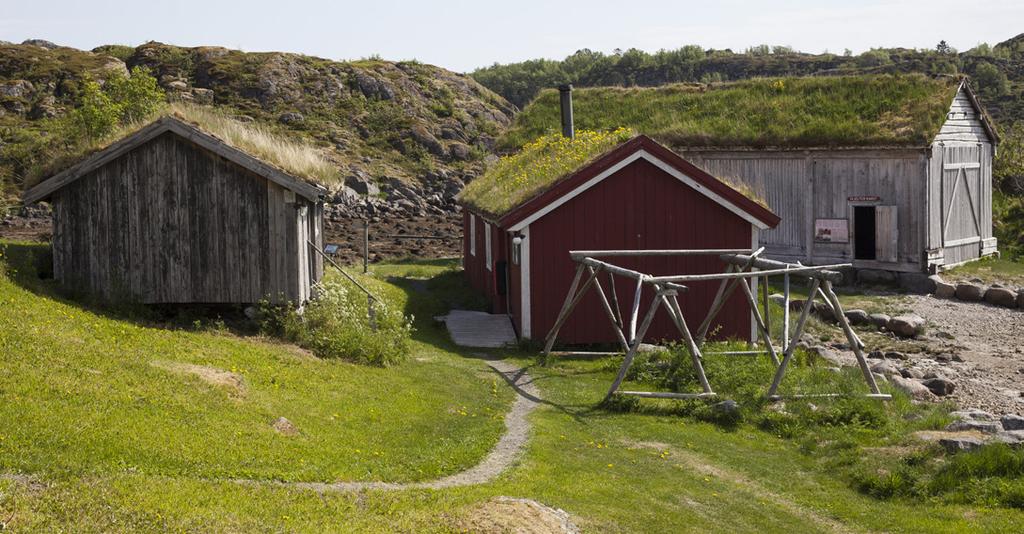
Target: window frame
[{"x": 472, "y": 234}]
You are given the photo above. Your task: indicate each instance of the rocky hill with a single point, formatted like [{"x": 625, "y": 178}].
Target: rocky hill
[{"x": 411, "y": 129}]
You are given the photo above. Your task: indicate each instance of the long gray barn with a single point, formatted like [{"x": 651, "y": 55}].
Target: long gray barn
[
  {"x": 172, "y": 214},
  {"x": 900, "y": 208}
]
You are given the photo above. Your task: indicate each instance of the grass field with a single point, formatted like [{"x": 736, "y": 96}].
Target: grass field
[{"x": 98, "y": 436}]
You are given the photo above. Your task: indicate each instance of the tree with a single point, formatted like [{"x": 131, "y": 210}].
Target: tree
[
  {"x": 944, "y": 48},
  {"x": 990, "y": 80},
  {"x": 119, "y": 101}
]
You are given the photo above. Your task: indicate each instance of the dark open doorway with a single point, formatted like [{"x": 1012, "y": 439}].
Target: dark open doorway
[{"x": 864, "y": 233}]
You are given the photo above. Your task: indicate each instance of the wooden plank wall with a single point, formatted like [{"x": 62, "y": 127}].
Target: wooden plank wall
[
  {"x": 963, "y": 124},
  {"x": 802, "y": 185},
  {"x": 172, "y": 223}
]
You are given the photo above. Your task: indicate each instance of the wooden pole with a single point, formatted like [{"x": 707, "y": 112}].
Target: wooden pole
[
  {"x": 788, "y": 354},
  {"x": 572, "y": 299},
  {"x": 608, "y": 309},
  {"x": 724, "y": 294},
  {"x": 851, "y": 337},
  {"x": 762, "y": 327},
  {"x": 672, "y": 303},
  {"x": 634, "y": 345},
  {"x": 634, "y": 314},
  {"x": 767, "y": 309},
  {"x": 579, "y": 254},
  {"x": 615, "y": 299},
  {"x": 785, "y": 311}
]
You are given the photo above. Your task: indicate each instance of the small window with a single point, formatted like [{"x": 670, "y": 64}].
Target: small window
[
  {"x": 487, "y": 245},
  {"x": 472, "y": 234}
]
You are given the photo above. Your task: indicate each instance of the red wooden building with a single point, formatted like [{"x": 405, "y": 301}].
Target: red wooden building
[{"x": 639, "y": 195}]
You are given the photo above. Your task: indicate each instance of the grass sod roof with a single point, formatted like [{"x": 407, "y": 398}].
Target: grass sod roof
[
  {"x": 827, "y": 111},
  {"x": 518, "y": 177},
  {"x": 292, "y": 157}
]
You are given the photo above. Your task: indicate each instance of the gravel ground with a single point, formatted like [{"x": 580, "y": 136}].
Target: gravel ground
[{"x": 989, "y": 340}]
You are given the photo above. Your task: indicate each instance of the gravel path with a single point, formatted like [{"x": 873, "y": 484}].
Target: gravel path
[
  {"x": 989, "y": 339},
  {"x": 501, "y": 457}
]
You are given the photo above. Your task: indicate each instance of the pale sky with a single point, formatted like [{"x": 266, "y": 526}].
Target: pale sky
[{"x": 464, "y": 34}]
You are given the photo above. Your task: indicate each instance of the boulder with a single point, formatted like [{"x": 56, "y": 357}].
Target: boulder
[
  {"x": 177, "y": 85},
  {"x": 1012, "y": 422},
  {"x": 913, "y": 388},
  {"x": 1020, "y": 298},
  {"x": 459, "y": 151},
  {"x": 291, "y": 117},
  {"x": 857, "y": 317},
  {"x": 912, "y": 372},
  {"x": 978, "y": 415},
  {"x": 970, "y": 292},
  {"x": 894, "y": 355},
  {"x": 285, "y": 427},
  {"x": 940, "y": 386},
  {"x": 885, "y": 367},
  {"x": 954, "y": 444},
  {"x": 879, "y": 320},
  {"x": 1000, "y": 296},
  {"x": 963, "y": 425},
  {"x": 362, "y": 184},
  {"x": 876, "y": 355},
  {"x": 918, "y": 283},
  {"x": 944, "y": 290},
  {"x": 906, "y": 325},
  {"x": 876, "y": 276},
  {"x": 202, "y": 96},
  {"x": 16, "y": 88},
  {"x": 726, "y": 407},
  {"x": 42, "y": 43}
]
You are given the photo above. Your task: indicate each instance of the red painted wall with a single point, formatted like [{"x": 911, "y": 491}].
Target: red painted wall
[
  {"x": 479, "y": 276},
  {"x": 639, "y": 207}
]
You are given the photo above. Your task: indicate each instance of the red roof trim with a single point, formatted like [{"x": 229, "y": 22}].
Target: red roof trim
[{"x": 640, "y": 142}]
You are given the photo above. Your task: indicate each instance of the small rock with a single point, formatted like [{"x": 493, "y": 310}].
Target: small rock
[
  {"x": 879, "y": 377},
  {"x": 944, "y": 290},
  {"x": 970, "y": 292},
  {"x": 285, "y": 427},
  {"x": 960, "y": 443},
  {"x": 876, "y": 355},
  {"x": 913, "y": 388},
  {"x": 944, "y": 358},
  {"x": 987, "y": 427},
  {"x": 940, "y": 386},
  {"x": 1000, "y": 296},
  {"x": 894, "y": 355},
  {"x": 857, "y": 317},
  {"x": 1013, "y": 438},
  {"x": 879, "y": 320},
  {"x": 1012, "y": 422},
  {"x": 726, "y": 407},
  {"x": 177, "y": 85},
  {"x": 907, "y": 325}
]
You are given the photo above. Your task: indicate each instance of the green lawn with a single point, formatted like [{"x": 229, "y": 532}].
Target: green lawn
[
  {"x": 989, "y": 270},
  {"x": 95, "y": 438}
]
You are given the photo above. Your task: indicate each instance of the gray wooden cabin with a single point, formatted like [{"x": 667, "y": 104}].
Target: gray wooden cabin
[
  {"x": 905, "y": 208},
  {"x": 172, "y": 214}
]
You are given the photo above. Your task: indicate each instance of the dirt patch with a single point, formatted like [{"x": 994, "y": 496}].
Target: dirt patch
[
  {"x": 700, "y": 464},
  {"x": 211, "y": 375},
  {"x": 519, "y": 516}
]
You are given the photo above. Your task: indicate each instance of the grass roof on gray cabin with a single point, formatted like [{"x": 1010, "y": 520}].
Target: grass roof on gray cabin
[{"x": 824, "y": 111}]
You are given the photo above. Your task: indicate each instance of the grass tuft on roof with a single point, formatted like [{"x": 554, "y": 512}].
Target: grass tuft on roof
[
  {"x": 516, "y": 178},
  {"x": 826, "y": 111},
  {"x": 292, "y": 157}
]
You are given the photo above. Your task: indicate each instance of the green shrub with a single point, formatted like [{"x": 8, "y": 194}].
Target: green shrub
[{"x": 336, "y": 325}]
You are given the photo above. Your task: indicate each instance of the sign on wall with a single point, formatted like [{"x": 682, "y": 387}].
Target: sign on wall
[{"x": 831, "y": 230}]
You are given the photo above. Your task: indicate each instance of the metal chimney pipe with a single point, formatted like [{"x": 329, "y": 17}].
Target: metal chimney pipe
[{"x": 565, "y": 94}]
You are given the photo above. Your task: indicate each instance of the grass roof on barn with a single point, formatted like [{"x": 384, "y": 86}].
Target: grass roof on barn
[
  {"x": 293, "y": 157},
  {"x": 516, "y": 178},
  {"x": 826, "y": 111}
]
